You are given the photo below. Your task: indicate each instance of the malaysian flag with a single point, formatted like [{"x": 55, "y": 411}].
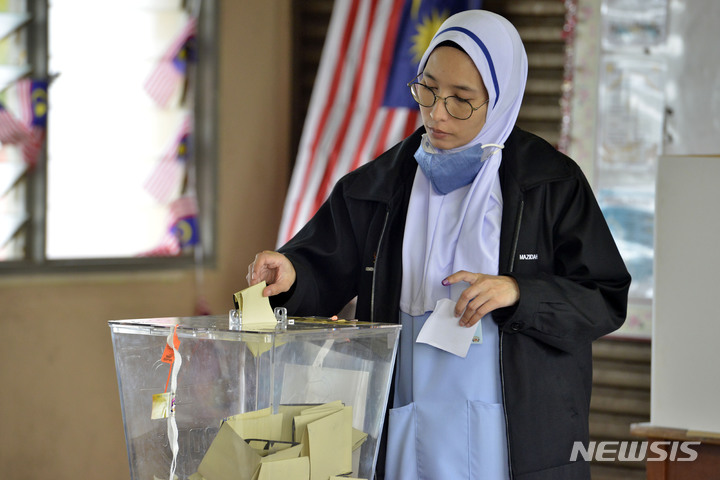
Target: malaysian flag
[
  {"x": 186, "y": 230},
  {"x": 360, "y": 104},
  {"x": 171, "y": 69},
  {"x": 32, "y": 96},
  {"x": 164, "y": 181},
  {"x": 12, "y": 130},
  {"x": 182, "y": 228}
]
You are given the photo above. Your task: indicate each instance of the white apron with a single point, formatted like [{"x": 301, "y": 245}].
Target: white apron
[{"x": 447, "y": 418}]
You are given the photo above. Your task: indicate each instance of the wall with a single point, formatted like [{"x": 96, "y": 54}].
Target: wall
[{"x": 60, "y": 412}]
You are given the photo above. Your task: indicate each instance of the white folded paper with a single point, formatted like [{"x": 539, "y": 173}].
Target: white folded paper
[{"x": 443, "y": 330}]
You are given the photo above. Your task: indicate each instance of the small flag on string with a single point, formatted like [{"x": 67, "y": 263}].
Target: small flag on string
[
  {"x": 186, "y": 231},
  {"x": 182, "y": 230},
  {"x": 183, "y": 220},
  {"x": 33, "y": 96},
  {"x": 165, "y": 179},
  {"x": 12, "y": 130},
  {"x": 171, "y": 69}
]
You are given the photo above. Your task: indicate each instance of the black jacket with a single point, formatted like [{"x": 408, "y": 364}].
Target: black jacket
[{"x": 554, "y": 242}]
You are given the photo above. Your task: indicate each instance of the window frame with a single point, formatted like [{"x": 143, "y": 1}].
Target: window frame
[{"x": 203, "y": 161}]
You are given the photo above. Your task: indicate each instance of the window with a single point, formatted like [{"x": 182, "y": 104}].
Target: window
[
  {"x": 14, "y": 65},
  {"x": 125, "y": 174}
]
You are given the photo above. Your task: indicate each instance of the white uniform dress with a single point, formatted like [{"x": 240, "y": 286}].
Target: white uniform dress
[{"x": 447, "y": 419}]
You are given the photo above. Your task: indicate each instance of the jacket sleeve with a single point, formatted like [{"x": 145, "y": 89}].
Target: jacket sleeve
[
  {"x": 325, "y": 256},
  {"x": 577, "y": 290}
]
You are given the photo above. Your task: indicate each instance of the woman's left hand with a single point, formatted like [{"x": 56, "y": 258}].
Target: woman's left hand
[{"x": 485, "y": 294}]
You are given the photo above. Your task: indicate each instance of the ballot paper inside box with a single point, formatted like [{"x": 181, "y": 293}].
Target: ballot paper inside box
[
  {"x": 300, "y": 442},
  {"x": 225, "y": 372}
]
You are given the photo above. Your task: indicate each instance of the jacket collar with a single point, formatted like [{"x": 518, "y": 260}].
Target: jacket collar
[
  {"x": 524, "y": 161},
  {"x": 522, "y": 165}
]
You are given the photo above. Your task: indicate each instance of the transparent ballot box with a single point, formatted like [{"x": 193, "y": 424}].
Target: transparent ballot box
[{"x": 195, "y": 392}]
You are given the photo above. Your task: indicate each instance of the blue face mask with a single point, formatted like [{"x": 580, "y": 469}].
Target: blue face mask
[{"x": 448, "y": 171}]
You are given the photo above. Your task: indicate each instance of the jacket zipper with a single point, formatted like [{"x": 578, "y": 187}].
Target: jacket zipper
[
  {"x": 513, "y": 252},
  {"x": 377, "y": 252}
]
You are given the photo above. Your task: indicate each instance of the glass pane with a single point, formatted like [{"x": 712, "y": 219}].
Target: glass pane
[
  {"x": 631, "y": 105},
  {"x": 105, "y": 134},
  {"x": 13, "y": 214},
  {"x": 13, "y": 169}
]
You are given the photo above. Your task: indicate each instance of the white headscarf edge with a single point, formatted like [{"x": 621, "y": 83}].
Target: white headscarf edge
[{"x": 498, "y": 53}]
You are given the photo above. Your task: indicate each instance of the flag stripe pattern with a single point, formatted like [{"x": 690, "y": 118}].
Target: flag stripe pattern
[
  {"x": 343, "y": 129},
  {"x": 350, "y": 119},
  {"x": 12, "y": 130},
  {"x": 183, "y": 209},
  {"x": 170, "y": 69},
  {"x": 32, "y": 97},
  {"x": 164, "y": 181}
]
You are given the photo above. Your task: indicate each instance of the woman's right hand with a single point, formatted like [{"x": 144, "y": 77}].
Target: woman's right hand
[{"x": 275, "y": 269}]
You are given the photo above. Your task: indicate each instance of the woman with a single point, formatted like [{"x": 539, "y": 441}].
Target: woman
[{"x": 497, "y": 224}]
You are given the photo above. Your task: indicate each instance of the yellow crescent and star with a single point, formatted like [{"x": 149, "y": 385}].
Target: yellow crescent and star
[
  {"x": 39, "y": 102},
  {"x": 185, "y": 231}
]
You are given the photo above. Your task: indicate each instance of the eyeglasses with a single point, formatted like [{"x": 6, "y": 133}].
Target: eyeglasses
[{"x": 455, "y": 106}]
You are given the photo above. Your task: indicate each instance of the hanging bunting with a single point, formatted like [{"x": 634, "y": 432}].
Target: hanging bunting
[
  {"x": 12, "y": 130},
  {"x": 33, "y": 98},
  {"x": 183, "y": 221},
  {"x": 182, "y": 228},
  {"x": 170, "y": 72},
  {"x": 165, "y": 180},
  {"x": 172, "y": 175}
]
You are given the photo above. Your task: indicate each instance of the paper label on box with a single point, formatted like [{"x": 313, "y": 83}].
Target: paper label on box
[{"x": 161, "y": 405}]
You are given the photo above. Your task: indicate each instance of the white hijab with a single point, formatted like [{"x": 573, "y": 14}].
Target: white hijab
[
  {"x": 495, "y": 47},
  {"x": 438, "y": 240}
]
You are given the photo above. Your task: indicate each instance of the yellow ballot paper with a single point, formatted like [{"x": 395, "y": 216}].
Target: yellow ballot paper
[
  {"x": 289, "y": 413},
  {"x": 358, "y": 438},
  {"x": 330, "y": 442},
  {"x": 257, "y": 314},
  {"x": 229, "y": 457},
  {"x": 252, "y": 414},
  {"x": 256, "y": 309},
  {"x": 257, "y": 425},
  {"x": 258, "y": 348},
  {"x": 287, "y": 469},
  {"x": 257, "y": 445},
  {"x": 289, "y": 452},
  {"x": 311, "y": 414}
]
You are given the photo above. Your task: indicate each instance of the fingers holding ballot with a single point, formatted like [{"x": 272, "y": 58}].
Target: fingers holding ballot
[
  {"x": 275, "y": 269},
  {"x": 485, "y": 294}
]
